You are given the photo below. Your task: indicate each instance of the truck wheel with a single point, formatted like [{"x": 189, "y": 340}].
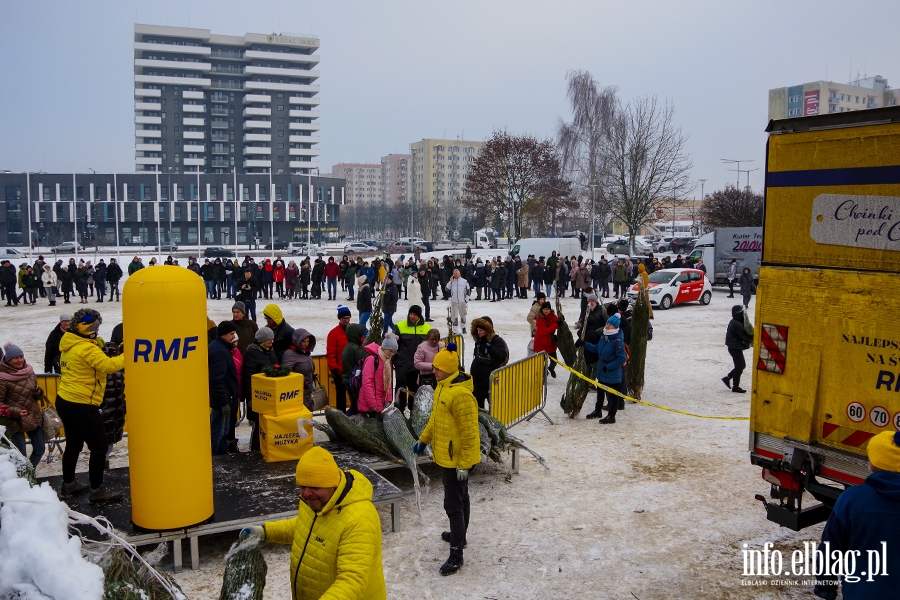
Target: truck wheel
[
  {"x": 705, "y": 298},
  {"x": 666, "y": 303}
]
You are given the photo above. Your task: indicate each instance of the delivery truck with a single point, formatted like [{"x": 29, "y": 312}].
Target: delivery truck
[
  {"x": 826, "y": 360},
  {"x": 546, "y": 247},
  {"x": 718, "y": 247}
]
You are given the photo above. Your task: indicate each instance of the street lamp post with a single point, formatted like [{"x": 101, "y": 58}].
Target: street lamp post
[{"x": 702, "y": 200}]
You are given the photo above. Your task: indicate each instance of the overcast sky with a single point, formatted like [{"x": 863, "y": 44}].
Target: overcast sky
[{"x": 393, "y": 73}]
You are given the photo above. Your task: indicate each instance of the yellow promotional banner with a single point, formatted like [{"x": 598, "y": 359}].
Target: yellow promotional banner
[
  {"x": 170, "y": 454},
  {"x": 280, "y": 437},
  {"x": 277, "y": 396}
]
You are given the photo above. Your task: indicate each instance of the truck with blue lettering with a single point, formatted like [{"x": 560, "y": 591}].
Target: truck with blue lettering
[
  {"x": 826, "y": 361},
  {"x": 717, "y": 248}
]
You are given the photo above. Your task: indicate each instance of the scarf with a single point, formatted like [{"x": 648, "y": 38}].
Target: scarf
[{"x": 20, "y": 375}]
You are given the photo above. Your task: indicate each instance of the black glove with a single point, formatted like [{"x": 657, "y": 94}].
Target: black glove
[
  {"x": 336, "y": 374},
  {"x": 579, "y": 343},
  {"x": 603, "y": 368}
]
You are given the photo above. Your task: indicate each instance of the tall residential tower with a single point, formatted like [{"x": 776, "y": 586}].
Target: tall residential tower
[{"x": 212, "y": 103}]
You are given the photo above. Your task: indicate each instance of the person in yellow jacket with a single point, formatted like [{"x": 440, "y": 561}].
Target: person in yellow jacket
[
  {"x": 83, "y": 370},
  {"x": 453, "y": 432},
  {"x": 336, "y": 535}
]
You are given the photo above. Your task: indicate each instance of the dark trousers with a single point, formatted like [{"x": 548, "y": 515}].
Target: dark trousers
[
  {"x": 10, "y": 290},
  {"x": 340, "y": 401},
  {"x": 456, "y": 505},
  {"x": 353, "y": 399},
  {"x": 737, "y": 355},
  {"x": 254, "y": 429},
  {"x": 612, "y": 400},
  {"x": 232, "y": 424},
  {"x": 425, "y": 302},
  {"x": 523, "y": 292},
  {"x": 114, "y": 289},
  {"x": 731, "y": 288},
  {"x": 83, "y": 424},
  {"x": 604, "y": 288},
  {"x": 408, "y": 379}
]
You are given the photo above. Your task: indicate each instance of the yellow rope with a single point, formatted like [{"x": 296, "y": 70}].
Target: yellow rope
[{"x": 617, "y": 393}]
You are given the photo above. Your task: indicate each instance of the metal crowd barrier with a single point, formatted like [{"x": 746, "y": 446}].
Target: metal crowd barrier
[
  {"x": 519, "y": 390},
  {"x": 460, "y": 341}
]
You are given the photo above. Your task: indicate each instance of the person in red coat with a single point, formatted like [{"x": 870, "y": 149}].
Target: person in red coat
[
  {"x": 278, "y": 278},
  {"x": 545, "y": 336},
  {"x": 334, "y": 348},
  {"x": 332, "y": 272}
]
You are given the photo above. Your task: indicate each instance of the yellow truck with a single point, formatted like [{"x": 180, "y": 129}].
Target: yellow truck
[{"x": 826, "y": 369}]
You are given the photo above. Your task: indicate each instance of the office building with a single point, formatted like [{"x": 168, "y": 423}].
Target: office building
[
  {"x": 143, "y": 209},
  {"x": 213, "y": 103},
  {"x": 823, "y": 97}
]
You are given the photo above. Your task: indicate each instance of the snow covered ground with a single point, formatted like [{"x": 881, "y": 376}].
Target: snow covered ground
[{"x": 656, "y": 506}]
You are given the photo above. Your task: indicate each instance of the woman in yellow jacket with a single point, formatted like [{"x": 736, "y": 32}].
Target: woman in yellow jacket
[
  {"x": 83, "y": 369},
  {"x": 336, "y": 535},
  {"x": 453, "y": 432}
]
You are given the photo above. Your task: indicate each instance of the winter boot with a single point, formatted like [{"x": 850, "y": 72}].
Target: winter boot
[
  {"x": 727, "y": 381},
  {"x": 445, "y": 535},
  {"x": 607, "y": 420},
  {"x": 454, "y": 563},
  {"x": 595, "y": 414},
  {"x": 73, "y": 488},
  {"x": 101, "y": 494},
  {"x": 233, "y": 447},
  {"x": 738, "y": 390}
]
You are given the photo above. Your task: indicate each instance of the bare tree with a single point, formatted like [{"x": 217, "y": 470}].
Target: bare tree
[
  {"x": 582, "y": 141},
  {"x": 732, "y": 207},
  {"x": 515, "y": 177},
  {"x": 645, "y": 164}
]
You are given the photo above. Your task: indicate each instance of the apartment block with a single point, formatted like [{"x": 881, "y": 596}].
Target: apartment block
[
  {"x": 822, "y": 97},
  {"x": 210, "y": 103},
  {"x": 363, "y": 181},
  {"x": 395, "y": 174},
  {"x": 439, "y": 168}
]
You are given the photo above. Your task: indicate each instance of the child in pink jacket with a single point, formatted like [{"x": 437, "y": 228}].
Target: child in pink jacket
[{"x": 377, "y": 389}]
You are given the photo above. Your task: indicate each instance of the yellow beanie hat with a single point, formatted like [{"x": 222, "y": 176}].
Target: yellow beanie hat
[
  {"x": 884, "y": 451},
  {"x": 318, "y": 469},
  {"x": 273, "y": 312},
  {"x": 446, "y": 361}
]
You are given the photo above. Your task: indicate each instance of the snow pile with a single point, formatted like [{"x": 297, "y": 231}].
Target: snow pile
[{"x": 38, "y": 559}]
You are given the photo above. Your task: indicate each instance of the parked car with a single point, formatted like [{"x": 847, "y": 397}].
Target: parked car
[
  {"x": 621, "y": 246},
  {"x": 676, "y": 286},
  {"x": 68, "y": 247},
  {"x": 212, "y": 251},
  {"x": 683, "y": 245},
  {"x": 359, "y": 248},
  {"x": 279, "y": 245},
  {"x": 425, "y": 246},
  {"x": 305, "y": 250},
  {"x": 378, "y": 245},
  {"x": 166, "y": 247},
  {"x": 10, "y": 254},
  {"x": 664, "y": 245},
  {"x": 399, "y": 246}
]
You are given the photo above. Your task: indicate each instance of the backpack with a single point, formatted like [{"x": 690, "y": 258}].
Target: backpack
[
  {"x": 354, "y": 383},
  {"x": 627, "y": 355}
]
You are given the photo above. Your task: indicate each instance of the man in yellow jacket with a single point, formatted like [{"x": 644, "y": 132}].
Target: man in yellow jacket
[
  {"x": 83, "y": 370},
  {"x": 453, "y": 432},
  {"x": 336, "y": 535}
]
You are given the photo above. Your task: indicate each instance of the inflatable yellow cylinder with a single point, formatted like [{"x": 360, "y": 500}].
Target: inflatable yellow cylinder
[{"x": 167, "y": 394}]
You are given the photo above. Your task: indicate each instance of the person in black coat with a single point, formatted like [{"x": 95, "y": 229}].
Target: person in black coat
[
  {"x": 100, "y": 280},
  {"x": 223, "y": 385},
  {"x": 66, "y": 281},
  {"x": 424, "y": 282},
  {"x": 113, "y": 275},
  {"x": 592, "y": 323},
  {"x": 746, "y": 282},
  {"x": 51, "y": 347},
  {"x": 389, "y": 303},
  {"x": 258, "y": 356},
  {"x": 537, "y": 276},
  {"x": 490, "y": 352},
  {"x": 737, "y": 340}
]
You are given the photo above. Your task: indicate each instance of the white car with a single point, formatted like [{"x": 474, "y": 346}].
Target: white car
[
  {"x": 11, "y": 254},
  {"x": 68, "y": 247},
  {"x": 676, "y": 286},
  {"x": 664, "y": 245},
  {"x": 359, "y": 248}
]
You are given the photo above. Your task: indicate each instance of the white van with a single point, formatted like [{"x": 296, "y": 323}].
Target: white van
[
  {"x": 10, "y": 254},
  {"x": 545, "y": 247}
]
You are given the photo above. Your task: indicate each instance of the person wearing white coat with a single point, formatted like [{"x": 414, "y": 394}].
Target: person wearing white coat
[
  {"x": 459, "y": 297},
  {"x": 414, "y": 290},
  {"x": 49, "y": 281}
]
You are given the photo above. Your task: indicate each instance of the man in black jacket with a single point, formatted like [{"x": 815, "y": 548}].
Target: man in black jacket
[
  {"x": 51, "y": 348},
  {"x": 246, "y": 293},
  {"x": 223, "y": 385},
  {"x": 259, "y": 355},
  {"x": 737, "y": 340},
  {"x": 113, "y": 275},
  {"x": 490, "y": 352},
  {"x": 389, "y": 303},
  {"x": 9, "y": 279}
]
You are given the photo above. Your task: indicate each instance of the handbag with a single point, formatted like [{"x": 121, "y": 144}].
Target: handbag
[
  {"x": 318, "y": 396},
  {"x": 51, "y": 424}
]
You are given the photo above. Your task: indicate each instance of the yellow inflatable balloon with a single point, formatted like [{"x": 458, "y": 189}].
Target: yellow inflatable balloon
[{"x": 167, "y": 394}]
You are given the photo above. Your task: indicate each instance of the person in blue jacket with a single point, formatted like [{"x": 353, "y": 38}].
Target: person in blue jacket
[
  {"x": 611, "y": 350},
  {"x": 866, "y": 520}
]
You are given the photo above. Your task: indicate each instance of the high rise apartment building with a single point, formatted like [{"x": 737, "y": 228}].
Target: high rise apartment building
[
  {"x": 385, "y": 182},
  {"x": 395, "y": 178},
  {"x": 822, "y": 97},
  {"x": 439, "y": 169},
  {"x": 214, "y": 103},
  {"x": 363, "y": 181}
]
